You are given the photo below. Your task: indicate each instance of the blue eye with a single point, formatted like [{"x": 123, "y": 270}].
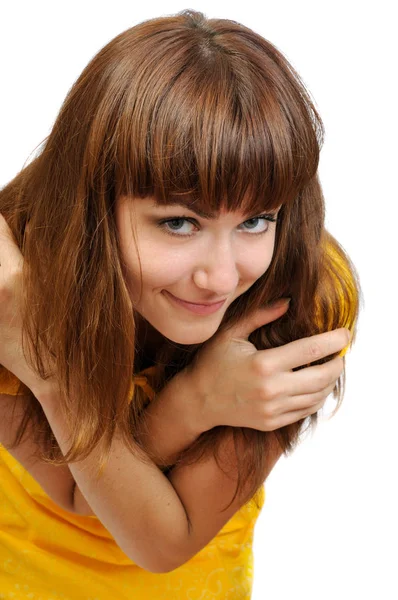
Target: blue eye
[
  {"x": 261, "y": 221},
  {"x": 175, "y": 226},
  {"x": 186, "y": 227}
]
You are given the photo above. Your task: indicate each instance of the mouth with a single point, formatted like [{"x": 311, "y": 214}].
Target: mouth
[{"x": 195, "y": 307}]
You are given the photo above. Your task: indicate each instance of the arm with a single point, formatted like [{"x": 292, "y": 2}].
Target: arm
[
  {"x": 136, "y": 502},
  {"x": 172, "y": 423},
  {"x": 173, "y": 420}
]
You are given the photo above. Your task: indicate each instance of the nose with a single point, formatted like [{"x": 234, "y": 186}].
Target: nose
[{"x": 217, "y": 271}]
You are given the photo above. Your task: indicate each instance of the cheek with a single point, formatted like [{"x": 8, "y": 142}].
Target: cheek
[
  {"x": 258, "y": 261},
  {"x": 160, "y": 267},
  {"x": 255, "y": 271}
]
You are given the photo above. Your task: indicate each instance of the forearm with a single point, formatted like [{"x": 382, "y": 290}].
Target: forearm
[
  {"x": 172, "y": 422},
  {"x": 137, "y": 503},
  {"x": 132, "y": 498}
]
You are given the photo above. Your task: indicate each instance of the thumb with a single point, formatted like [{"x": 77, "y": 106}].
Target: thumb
[{"x": 259, "y": 317}]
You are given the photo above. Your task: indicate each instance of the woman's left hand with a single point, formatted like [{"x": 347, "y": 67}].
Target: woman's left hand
[{"x": 11, "y": 293}]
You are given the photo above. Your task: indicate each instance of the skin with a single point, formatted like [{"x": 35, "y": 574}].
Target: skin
[
  {"x": 205, "y": 260},
  {"x": 185, "y": 511}
]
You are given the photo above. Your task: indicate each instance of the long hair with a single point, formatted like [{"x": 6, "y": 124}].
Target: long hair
[{"x": 178, "y": 108}]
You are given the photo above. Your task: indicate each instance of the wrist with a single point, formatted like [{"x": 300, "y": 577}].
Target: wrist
[
  {"x": 189, "y": 402},
  {"x": 171, "y": 422}
]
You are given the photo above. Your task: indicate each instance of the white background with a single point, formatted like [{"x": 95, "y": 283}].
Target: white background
[{"x": 329, "y": 525}]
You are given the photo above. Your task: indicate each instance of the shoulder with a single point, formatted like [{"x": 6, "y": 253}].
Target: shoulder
[{"x": 55, "y": 481}]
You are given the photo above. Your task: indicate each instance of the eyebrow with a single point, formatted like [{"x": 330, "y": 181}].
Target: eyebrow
[
  {"x": 191, "y": 207},
  {"x": 201, "y": 213},
  {"x": 213, "y": 215}
]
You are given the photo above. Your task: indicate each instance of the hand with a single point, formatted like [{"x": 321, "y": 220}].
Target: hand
[
  {"x": 241, "y": 386},
  {"x": 11, "y": 294}
]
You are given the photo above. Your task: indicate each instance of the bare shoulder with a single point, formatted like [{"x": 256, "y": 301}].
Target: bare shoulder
[{"x": 56, "y": 481}]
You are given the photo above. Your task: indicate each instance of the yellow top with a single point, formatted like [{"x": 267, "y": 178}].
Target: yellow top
[{"x": 48, "y": 553}]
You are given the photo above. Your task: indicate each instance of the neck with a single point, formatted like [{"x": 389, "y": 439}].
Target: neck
[{"x": 148, "y": 343}]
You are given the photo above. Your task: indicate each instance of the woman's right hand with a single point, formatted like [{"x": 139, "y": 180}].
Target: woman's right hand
[{"x": 240, "y": 386}]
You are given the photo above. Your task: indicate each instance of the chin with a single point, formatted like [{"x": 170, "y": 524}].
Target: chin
[{"x": 188, "y": 338}]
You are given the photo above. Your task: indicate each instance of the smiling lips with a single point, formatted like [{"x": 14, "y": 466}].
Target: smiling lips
[{"x": 199, "y": 309}]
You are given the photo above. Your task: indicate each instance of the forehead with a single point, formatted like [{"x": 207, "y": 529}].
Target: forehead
[{"x": 206, "y": 211}]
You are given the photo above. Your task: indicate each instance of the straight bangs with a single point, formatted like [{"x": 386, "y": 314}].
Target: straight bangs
[
  {"x": 181, "y": 109},
  {"x": 216, "y": 128}
]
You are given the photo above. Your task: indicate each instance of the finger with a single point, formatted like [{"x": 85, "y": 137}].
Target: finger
[
  {"x": 301, "y": 352},
  {"x": 9, "y": 251},
  {"x": 5, "y": 231},
  {"x": 309, "y": 403},
  {"x": 309, "y": 380}
]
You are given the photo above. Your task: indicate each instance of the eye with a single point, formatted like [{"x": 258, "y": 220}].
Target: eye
[
  {"x": 177, "y": 226},
  {"x": 186, "y": 226},
  {"x": 258, "y": 225}
]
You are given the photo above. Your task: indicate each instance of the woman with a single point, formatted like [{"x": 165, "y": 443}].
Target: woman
[{"x": 174, "y": 201}]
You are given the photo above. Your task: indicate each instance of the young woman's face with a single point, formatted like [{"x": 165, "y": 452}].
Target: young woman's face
[{"x": 193, "y": 267}]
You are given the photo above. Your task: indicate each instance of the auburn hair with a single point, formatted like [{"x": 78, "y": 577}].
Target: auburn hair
[{"x": 181, "y": 108}]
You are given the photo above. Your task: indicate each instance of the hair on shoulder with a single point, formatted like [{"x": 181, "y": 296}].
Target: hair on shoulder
[{"x": 182, "y": 108}]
